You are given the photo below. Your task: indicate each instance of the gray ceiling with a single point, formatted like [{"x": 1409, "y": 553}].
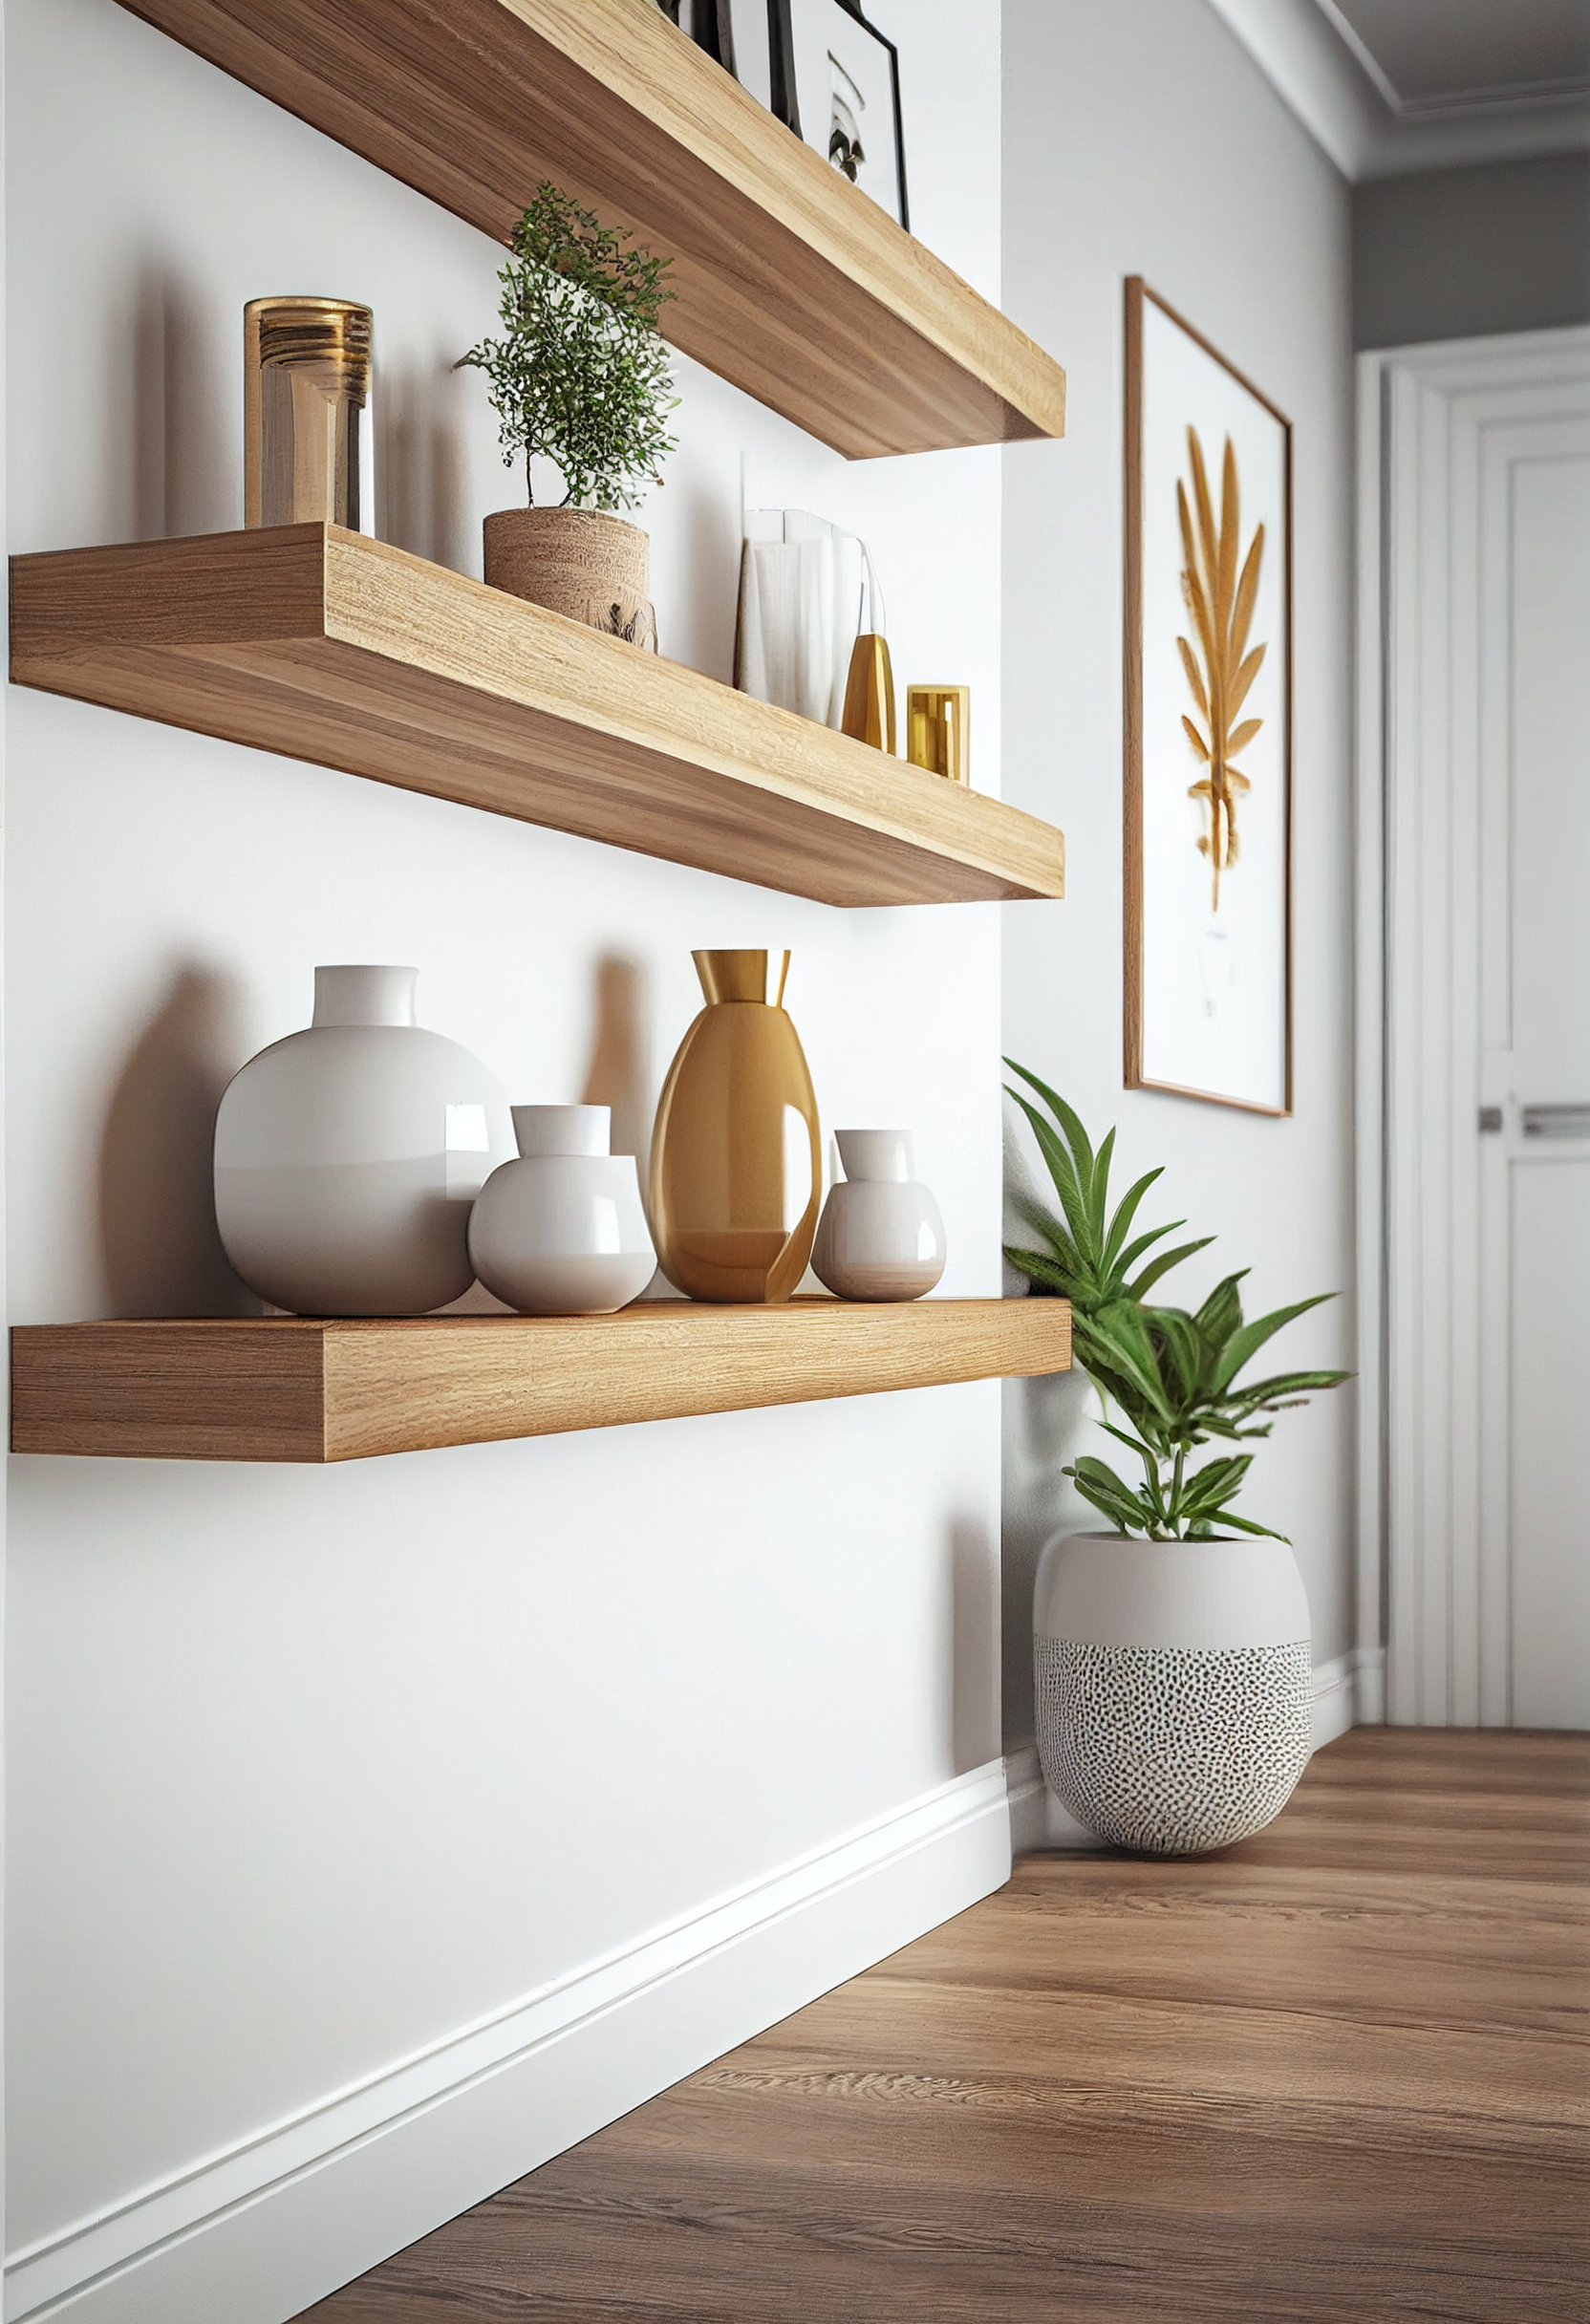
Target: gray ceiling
[{"x": 1432, "y": 56}]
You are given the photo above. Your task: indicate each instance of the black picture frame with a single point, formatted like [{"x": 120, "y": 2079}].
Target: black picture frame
[{"x": 789, "y": 24}]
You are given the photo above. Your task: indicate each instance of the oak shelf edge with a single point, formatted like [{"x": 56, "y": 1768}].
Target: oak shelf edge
[
  {"x": 789, "y": 282},
  {"x": 315, "y": 1390},
  {"x": 314, "y": 643}
]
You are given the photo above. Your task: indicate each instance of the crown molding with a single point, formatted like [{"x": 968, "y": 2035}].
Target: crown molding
[{"x": 1298, "y": 47}]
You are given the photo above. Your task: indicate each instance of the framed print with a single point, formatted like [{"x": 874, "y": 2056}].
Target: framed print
[
  {"x": 736, "y": 33},
  {"x": 1208, "y": 775},
  {"x": 845, "y": 96}
]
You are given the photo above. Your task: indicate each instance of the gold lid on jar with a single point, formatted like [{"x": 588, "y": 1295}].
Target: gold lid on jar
[{"x": 311, "y": 331}]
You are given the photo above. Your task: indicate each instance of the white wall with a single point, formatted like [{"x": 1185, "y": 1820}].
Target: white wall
[
  {"x": 1141, "y": 139},
  {"x": 310, "y": 1770}
]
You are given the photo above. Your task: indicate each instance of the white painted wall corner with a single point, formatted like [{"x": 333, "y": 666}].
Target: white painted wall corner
[{"x": 259, "y": 2233}]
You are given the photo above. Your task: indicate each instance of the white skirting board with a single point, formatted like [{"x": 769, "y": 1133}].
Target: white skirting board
[
  {"x": 254, "y": 2235},
  {"x": 1350, "y": 1691}
]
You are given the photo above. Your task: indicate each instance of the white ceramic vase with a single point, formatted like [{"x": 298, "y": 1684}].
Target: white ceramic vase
[
  {"x": 562, "y": 1230},
  {"x": 1174, "y": 1698},
  {"x": 347, "y": 1156},
  {"x": 880, "y": 1235}
]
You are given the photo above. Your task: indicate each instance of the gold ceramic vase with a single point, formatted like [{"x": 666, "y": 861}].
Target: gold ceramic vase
[{"x": 737, "y": 1150}]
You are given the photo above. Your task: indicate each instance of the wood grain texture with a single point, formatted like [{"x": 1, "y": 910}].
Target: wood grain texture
[
  {"x": 1334, "y": 2075},
  {"x": 304, "y": 1390},
  {"x": 316, "y": 644},
  {"x": 789, "y": 282}
]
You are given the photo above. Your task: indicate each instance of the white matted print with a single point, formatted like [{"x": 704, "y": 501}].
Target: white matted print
[
  {"x": 1208, "y": 724},
  {"x": 847, "y": 87}
]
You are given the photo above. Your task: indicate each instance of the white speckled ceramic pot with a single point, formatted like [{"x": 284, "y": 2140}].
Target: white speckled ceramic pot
[
  {"x": 562, "y": 1231},
  {"x": 1174, "y": 1687},
  {"x": 347, "y": 1156}
]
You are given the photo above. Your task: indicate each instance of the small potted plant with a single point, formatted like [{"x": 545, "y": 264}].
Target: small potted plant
[
  {"x": 1172, "y": 1655},
  {"x": 580, "y": 375}
]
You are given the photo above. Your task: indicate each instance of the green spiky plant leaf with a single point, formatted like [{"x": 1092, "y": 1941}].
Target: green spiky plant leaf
[{"x": 1172, "y": 1376}]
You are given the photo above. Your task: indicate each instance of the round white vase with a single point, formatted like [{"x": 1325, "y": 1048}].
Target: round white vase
[
  {"x": 562, "y": 1230},
  {"x": 347, "y": 1156},
  {"x": 880, "y": 1235},
  {"x": 1172, "y": 1682}
]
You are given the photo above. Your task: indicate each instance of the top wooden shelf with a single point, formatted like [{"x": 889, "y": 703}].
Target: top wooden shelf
[{"x": 790, "y": 282}]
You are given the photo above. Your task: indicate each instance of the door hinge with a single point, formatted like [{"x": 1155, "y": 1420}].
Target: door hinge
[{"x": 1489, "y": 1119}]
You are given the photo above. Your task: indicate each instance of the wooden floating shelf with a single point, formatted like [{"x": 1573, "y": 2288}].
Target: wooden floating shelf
[
  {"x": 305, "y": 1389},
  {"x": 316, "y": 644},
  {"x": 789, "y": 281}
]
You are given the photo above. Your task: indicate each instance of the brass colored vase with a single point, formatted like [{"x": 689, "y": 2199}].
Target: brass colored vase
[{"x": 737, "y": 1146}]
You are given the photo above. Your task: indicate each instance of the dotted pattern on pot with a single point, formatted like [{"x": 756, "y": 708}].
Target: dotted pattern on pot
[{"x": 1171, "y": 1750}]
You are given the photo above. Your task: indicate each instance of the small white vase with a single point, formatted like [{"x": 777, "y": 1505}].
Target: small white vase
[
  {"x": 347, "y": 1156},
  {"x": 1174, "y": 1697},
  {"x": 880, "y": 1235},
  {"x": 562, "y": 1231}
]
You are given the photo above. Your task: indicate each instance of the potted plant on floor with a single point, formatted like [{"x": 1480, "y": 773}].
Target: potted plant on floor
[
  {"x": 579, "y": 376},
  {"x": 1172, "y": 1655}
]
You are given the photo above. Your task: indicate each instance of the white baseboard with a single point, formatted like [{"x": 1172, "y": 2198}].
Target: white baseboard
[
  {"x": 1350, "y": 1691},
  {"x": 256, "y": 2234}
]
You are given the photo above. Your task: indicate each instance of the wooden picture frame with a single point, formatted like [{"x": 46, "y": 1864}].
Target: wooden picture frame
[{"x": 1208, "y": 1004}]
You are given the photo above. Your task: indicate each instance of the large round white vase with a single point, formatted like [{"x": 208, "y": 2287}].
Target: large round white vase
[
  {"x": 1174, "y": 1700},
  {"x": 347, "y": 1156},
  {"x": 562, "y": 1231}
]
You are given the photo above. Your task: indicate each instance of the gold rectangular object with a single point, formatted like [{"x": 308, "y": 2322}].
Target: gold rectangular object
[{"x": 938, "y": 730}]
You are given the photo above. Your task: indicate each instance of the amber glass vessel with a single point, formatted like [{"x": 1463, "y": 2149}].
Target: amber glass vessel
[
  {"x": 306, "y": 381},
  {"x": 737, "y": 1173}
]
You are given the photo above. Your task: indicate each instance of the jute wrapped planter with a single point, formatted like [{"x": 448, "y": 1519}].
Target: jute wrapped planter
[
  {"x": 594, "y": 568},
  {"x": 1174, "y": 1700}
]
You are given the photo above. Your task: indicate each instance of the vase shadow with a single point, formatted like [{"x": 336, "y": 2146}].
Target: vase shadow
[
  {"x": 160, "y": 1249},
  {"x": 975, "y": 1645}
]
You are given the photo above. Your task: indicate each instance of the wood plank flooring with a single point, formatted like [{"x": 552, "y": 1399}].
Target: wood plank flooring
[{"x": 1338, "y": 2073}]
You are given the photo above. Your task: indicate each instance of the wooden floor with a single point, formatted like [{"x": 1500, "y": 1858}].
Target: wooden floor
[{"x": 1339, "y": 2072}]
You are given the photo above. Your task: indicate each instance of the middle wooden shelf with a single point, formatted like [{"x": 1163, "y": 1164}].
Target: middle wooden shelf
[{"x": 321, "y": 644}]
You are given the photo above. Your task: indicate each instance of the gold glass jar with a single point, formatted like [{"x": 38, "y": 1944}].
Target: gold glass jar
[
  {"x": 306, "y": 381},
  {"x": 737, "y": 1156},
  {"x": 938, "y": 728}
]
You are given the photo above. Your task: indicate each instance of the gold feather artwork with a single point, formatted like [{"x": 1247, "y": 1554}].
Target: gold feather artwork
[{"x": 1221, "y": 669}]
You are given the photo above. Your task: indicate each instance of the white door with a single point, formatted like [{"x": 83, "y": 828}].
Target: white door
[
  {"x": 1535, "y": 953},
  {"x": 1474, "y": 964}
]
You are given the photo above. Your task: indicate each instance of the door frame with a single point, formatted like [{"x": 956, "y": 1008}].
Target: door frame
[{"x": 1424, "y": 416}]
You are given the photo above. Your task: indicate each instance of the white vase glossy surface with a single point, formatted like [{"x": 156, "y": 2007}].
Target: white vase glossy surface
[
  {"x": 1174, "y": 1687},
  {"x": 347, "y": 1156},
  {"x": 562, "y": 1231},
  {"x": 880, "y": 1235}
]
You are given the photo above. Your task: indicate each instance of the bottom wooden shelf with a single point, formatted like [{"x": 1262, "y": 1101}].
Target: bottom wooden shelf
[{"x": 305, "y": 1388}]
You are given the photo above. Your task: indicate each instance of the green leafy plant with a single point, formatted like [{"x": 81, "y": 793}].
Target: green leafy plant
[
  {"x": 1171, "y": 1375},
  {"x": 580, "y": 373}
]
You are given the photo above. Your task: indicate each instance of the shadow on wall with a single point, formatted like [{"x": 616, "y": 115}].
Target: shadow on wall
[
  {"x": 1047, "y": 1425},
  {"x": 183, "y": 464},
  {"x": 619, "y": 1074},
  {"x": 419, "y": 468},
  {"x": 975, "y": 1669},
  {"x": 162, "y": 1251}
]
